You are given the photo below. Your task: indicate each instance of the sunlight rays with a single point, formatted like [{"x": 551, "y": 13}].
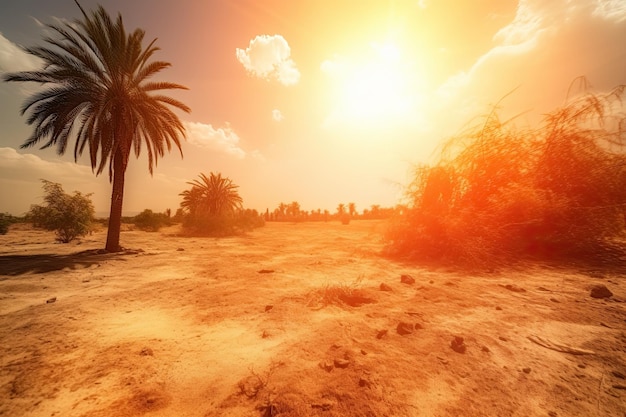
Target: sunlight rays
[{"x": 378, "y": 89}]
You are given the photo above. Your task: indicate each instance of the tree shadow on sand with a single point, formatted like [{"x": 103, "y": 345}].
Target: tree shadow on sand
[{"x": 14, "y": 265}]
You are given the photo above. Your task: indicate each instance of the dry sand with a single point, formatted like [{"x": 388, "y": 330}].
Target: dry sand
[{"x": 290, "y": 320}]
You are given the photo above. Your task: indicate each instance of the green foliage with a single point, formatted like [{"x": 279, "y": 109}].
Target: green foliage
[
  {"x": 70, "y": 216},
  {"x": 149, "y": 221},
  {"x": 213, "y": 207},
  {"x": 5, "y": 221},
  {"x": 501, "y": 193}
]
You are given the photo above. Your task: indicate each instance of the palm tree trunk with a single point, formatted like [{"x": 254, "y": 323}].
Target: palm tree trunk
[{"x": 117, "y": 198}]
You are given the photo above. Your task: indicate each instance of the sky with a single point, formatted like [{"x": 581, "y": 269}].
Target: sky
[{"x": 316, "y": 101}]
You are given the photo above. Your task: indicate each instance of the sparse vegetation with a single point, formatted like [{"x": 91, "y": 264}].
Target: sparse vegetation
[
  {"x": 149, "y": 221},
  {"x": 339, "y": 294},
  {"x": 5, "y": 221},
  {"x": 70, "y": 216},
  {"x": 213, "y": 207},
  {"x": 501, "y": 193}
]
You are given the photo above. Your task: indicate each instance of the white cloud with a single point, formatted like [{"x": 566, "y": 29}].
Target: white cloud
[
  {"x": 13, "y": 58},
  {"x": 611, "y": 10},
  {"x": 21, "y": 174},
  {"x": 269, "y": 57},
  {"x": 222, "y": 139},
  {"x": 545, "y": 47},
  {"x": 12, "y": 161},
  {"x": 277, "y": 115},
  {"x": 257, "y": 155}
]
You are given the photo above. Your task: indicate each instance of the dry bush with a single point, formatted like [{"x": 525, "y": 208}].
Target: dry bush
[
  {"x": 499, "y": 193},
  {"x": 339, "y": 294}
]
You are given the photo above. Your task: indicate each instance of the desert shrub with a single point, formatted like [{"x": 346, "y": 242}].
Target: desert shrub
[
  {"x": 500, "y": 193},
  {"x": 70, "y": 216},
  {"x": 205, "y": 224},
  {"x": 339, "y": 294},
  {"x": 5, "y": 221},
  {"x": 149, "y": 221}
]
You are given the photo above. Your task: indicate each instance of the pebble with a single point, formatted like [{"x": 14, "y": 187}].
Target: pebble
[{"x": 600, "y": 291}]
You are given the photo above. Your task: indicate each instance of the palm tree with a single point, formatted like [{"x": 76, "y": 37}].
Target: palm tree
[
  {"x": 352, "y": 209},
  {"x": 293, "y": 209},
  {"x": 97, "y": 92},
  {"x": 213, "y": 195},
  {"x": 192, "y": 200}
]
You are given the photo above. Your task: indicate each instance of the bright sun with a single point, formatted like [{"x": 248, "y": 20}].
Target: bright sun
[{"x": 372, "y": 90}]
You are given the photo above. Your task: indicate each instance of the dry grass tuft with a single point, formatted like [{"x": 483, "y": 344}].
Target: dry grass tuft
[
  {"x": 339, "y": 294},
  {"x": 499, "y": 193}
]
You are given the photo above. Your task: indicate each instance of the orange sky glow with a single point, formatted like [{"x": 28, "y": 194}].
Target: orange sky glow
[{"x": 320, "y": 102}]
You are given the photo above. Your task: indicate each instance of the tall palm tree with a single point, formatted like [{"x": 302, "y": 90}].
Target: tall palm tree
[
  {"x": 97, "y": 92},
  {"x": 213, "y": 195}
]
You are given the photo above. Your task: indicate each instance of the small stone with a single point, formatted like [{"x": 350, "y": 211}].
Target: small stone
[
  {"x": 326, "y": 365},
  {"x": 324, "y": 406},
  {"x": 526, "y": 370},
  {"x": 265, "y": 271},
  {"x": 582, "y": 365},
  {"x": 265, "y": 334},
  {"x": 51, "y": 300},
  {"x": 341, "y": 363},
  {"x": 418, "y": 326},
  {"x": 268, "y": 307},
  {"x": 180, "y": 249},
  {"x": 513, "y": 288},
  {"x": 146, "y": 352},
  {"x": 458, "y": 345},
  {"x": 364, "y": 383},
  {"x": 600, "y": 291},
  {"x": 498, "y": 308},
  {"x": 385, "y": 287},
  {"x": 404, "y": 328},
  {"x": 554, "y": 300},
  {"x": 407, "y": 279},
  {"x": 363, "y": 352},
  {"x": 485, "y": 349},
  {"x": 381, "y": 334},
  {"x": 504, "y": 339},
  {"x": 552, "y": 413}
]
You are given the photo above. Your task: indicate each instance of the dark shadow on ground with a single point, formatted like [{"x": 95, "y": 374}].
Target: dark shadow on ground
[{"x": 13, "y": 265}]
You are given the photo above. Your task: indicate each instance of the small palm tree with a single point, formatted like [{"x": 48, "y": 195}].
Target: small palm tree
[
  {"x": 192, "y": 200},
  {"x": 97, "y": 92},
  {"x": 213, "y": 195}
]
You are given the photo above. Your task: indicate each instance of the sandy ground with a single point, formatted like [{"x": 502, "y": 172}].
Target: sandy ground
[{"x": 290, "y": 320}]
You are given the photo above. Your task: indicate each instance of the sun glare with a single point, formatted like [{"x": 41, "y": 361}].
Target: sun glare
[{"x": 375, "y": 89}]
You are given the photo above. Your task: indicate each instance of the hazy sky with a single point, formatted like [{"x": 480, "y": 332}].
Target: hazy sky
[{"x": 317, "y": 101}]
